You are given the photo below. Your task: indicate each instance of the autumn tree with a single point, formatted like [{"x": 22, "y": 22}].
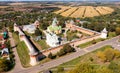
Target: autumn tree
[{"x": 117, "y": 30}]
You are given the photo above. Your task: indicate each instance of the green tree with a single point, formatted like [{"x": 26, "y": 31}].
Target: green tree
[
  {"x": 114, "y": 67},
  {"x": 5, "y": 65},
  {"x": 61, "y": 52},
  {"x": 11, "y": 28},
  {"x": 50, "y": 55},
  {"x": 104, "y": 70},
  {"x": 117, "y": 30},
  {"x": 83, "y": 68},
  {"x": 109, "y": 54},
  {"x": 67, "y": 48},
  {"x": 101, "y": 55},
  {"x": 38, "y": 32}
]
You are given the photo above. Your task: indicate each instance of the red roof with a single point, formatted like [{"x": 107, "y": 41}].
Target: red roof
[
  {"x": 1, "y": 37},
  {"x": 2, "y": 46}
]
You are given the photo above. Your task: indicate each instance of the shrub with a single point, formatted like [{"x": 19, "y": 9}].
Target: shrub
[
  {"x": 93, "y": 41},
  {"x": 50, "y": 55},
  {"x": 91, "y": 59},
  {"x": 109, "y": 54},
  {"x": 117, "y": 53},
  {"x": 82, "y": 68},
  {"x": 117, "y": 30},
  {"x": 114, "y": 67},
  {"x": 68, "y": 48},
  {"x": 61, "y": 52},
  {"x": 101, "y": 55},
  {"x": 60, "y": 69},
  {"x": 5, "y": 65}
]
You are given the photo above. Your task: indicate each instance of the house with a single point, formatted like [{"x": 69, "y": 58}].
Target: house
[
  {"x": 5, "y": 34},
  {"x": 5, "y": 53}
]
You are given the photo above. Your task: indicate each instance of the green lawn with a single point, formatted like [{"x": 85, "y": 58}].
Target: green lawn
[
  {"x": 43, "y": 44},
  {"x": 22, "y": 51},
  {"x": 71, "y": 35},
  {"x": 23, "y": 54},
  {"x": 89, "y": 43}
]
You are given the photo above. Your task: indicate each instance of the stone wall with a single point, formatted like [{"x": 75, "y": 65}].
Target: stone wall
[
  {"x": 75, "y": 42},
  {"x": 83, "y": 30}
]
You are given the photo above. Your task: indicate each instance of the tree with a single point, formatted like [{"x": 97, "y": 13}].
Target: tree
[
  {"x": 5, "y": 65},
  {"x": 93, "y": 41},
  {"x": 50, "y": 55},
  {"x": 83, "y": 68},
  {"x": 67, "y": 48},
  {"x": 11, "y": 28},
  {"x": 101, "y": 55},
  {"x": 38, "y": 32},
  {"x": 117, "y": 53},
  {"x": 117, "y": 30},
  {"x": 61, "y": 52},
  {"x": 60, "y": 69},
  {"x": 114, "y": 67},
  {"x": 109, "y": 54}
]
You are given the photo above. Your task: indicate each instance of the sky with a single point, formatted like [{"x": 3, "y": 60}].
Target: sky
[{"x": 59, "y": 0}]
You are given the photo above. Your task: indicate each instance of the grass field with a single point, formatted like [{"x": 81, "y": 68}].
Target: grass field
[
  {"x": 43, "y": 44},
  {"x": 86, "y": 58},
  {"x": 22, "y": 51}
]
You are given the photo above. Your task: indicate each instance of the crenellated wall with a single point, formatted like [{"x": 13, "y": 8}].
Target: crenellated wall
[{"x": 83, "y": 30}]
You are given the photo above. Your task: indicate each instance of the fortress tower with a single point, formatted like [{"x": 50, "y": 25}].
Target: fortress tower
[{"x": 104, "y": 33}]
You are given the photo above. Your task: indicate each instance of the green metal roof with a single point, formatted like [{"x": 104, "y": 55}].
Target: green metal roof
[{"x": 54, "y": 28}]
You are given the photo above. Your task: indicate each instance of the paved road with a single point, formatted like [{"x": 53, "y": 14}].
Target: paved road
[
  {"x": 66, "y": 58},
  {"x": 18, "y": 66}
]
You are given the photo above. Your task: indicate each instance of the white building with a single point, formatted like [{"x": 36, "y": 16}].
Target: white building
[
  {"x": 31, "y": 28},
  {"x": 104, "y": 33},
  {"x": 52, "y": 39}
]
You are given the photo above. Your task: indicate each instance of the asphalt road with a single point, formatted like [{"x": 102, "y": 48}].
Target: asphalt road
[{"x": 61, "y": 60}]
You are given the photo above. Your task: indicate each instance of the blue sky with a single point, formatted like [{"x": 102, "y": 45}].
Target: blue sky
[{"x": 59, "y": 0}]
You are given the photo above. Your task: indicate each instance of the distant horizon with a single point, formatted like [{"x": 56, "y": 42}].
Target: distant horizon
[{"x": 60, "y": 0}]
